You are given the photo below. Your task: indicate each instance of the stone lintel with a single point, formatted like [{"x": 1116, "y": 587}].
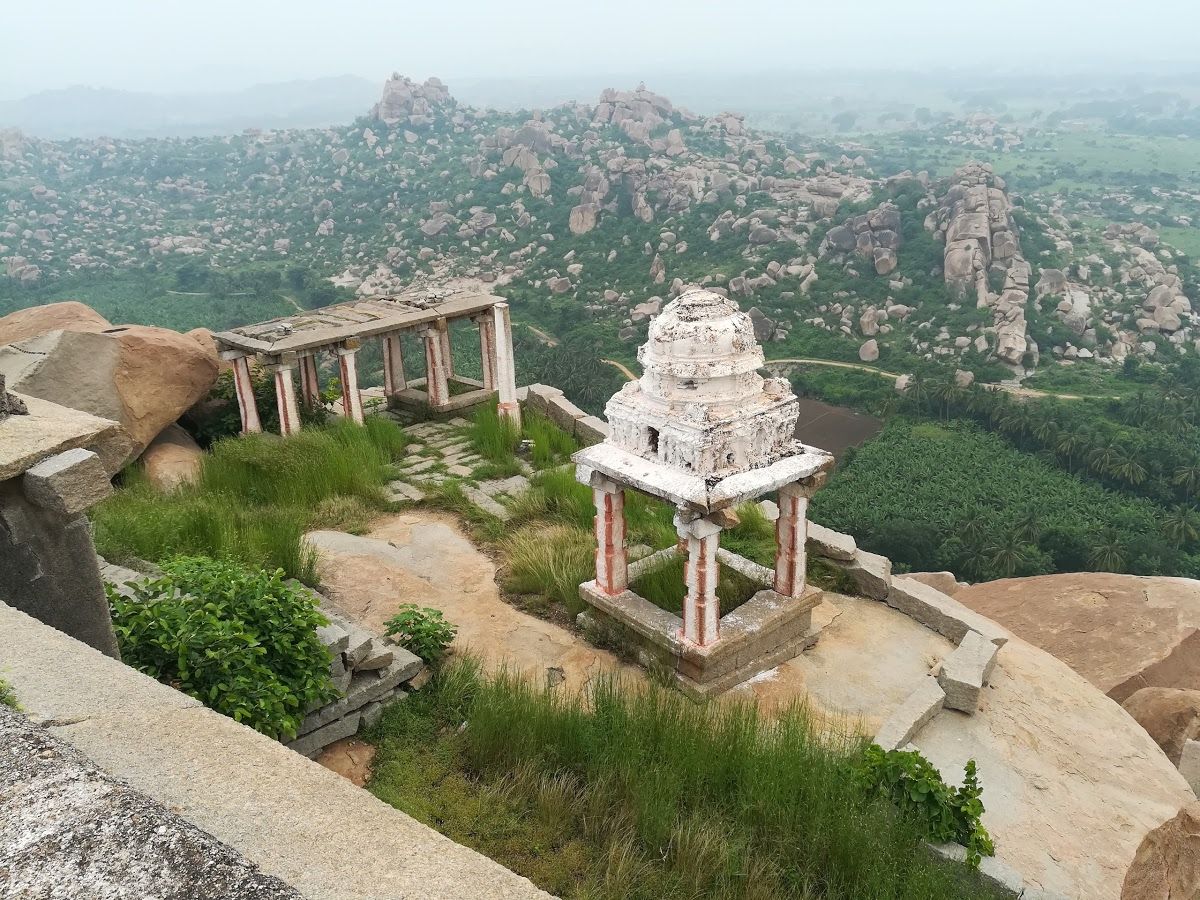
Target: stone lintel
[
  {"x": 682, "y": 489},
  {"x": 913, "y": 714},
  {"x": 67, "y": 483}
]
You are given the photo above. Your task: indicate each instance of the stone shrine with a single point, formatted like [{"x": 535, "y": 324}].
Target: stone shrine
[{"x": 705, "y": 431}]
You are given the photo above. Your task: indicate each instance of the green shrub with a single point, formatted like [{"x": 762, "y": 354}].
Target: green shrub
[
  {"x": 916, "y": 787},
  {"x": 242, "y": 642},
  {"x": 421, "y": 630},
  {"x": 7, "y": 696},
  {"x": 255, "y": 498}
]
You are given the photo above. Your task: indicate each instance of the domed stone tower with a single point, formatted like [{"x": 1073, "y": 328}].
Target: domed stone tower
[
  {"x": 701, "y": 405},
  {"x": 704, "y": 431}
]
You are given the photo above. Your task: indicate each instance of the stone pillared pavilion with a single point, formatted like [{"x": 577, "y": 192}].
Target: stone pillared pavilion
[
  {"x": 703, "y": 430},
  {"x": 296, "y": 342}
]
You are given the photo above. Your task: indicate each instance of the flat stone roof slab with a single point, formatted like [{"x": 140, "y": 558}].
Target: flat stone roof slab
[
  {"x": 332, "y": 325},
  {"x": 673, "y": 484}
]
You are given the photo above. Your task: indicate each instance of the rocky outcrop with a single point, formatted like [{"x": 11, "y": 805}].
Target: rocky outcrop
[
  {"x": 406, "y": 102},
  {"x": 144, "y": 378},
  {"x": 974, "y": 221},
  {"x": 1120, "y": 632},
  {"x": 1167, "y": 864},
  {"x": 1171, "y": 716},
  {"x": 68, "y": 315},
  {"x": 873, "y": 236}
]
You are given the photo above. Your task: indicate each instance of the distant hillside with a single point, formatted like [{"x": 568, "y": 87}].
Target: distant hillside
[{"x": 89, "y": 112}]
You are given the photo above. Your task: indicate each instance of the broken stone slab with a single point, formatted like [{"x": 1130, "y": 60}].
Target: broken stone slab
[
  {"x": 359, "y": 646},
  {"x": 830, "y": 544},
  {"x": 870, "y": 572},
  {"x": 67, "y": 483},
  {"x": 943, "y": 614},
  {"x": 486, "y": 503},
  {"x": 334, "y": 637},
  {"x": 912, "y": 715},
  {"x": 364, "y": 687},
  {"x": 315, "y": 741},
  {"x": 402, "y": 490},
  {"x": 377, "y": 657},
  {"x": 370, "y": 714},
  {"x": 992, "y": 868},
  {"x": 512, "y": 487},
  {"x": 966, "y": 670}
]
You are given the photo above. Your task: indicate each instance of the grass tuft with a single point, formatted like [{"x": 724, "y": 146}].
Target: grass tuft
[{"x": 641, "y": 794}]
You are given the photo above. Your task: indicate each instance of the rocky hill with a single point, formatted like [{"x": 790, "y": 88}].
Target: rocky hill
[{"x": 591, "y": 214}]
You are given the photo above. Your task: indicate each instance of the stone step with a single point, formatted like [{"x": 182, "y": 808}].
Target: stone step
[
  {"x": 486, "y": 503},
  {"x": 402, "y": 490}
]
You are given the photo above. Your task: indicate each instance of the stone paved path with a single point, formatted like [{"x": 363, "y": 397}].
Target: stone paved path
[{"x": 442, "y": 450}]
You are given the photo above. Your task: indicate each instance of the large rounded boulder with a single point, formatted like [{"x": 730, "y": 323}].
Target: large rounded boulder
[
  {"x": 141, "y": 377},
  {"x": 1170, "y": 715},
  {"x": 69, "y": 315}
]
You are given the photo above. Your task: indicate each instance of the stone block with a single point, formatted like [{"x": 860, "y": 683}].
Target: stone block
[
  {"x": 315, "y": 741},
  {"x": 565, "y": 414},
  {"x": 830, "y": 544},
  {"x": 912, "y": 715},
  {"x": 871, "y": 573},
  {"x": 966, "y": 670},
  {"x": 334, "y": 637},
  {"x": 1189, "y": 764},
  {"x": 67, "y": 483},
  {"x": 370, "y": 714},
  {"x": 378, "y": 657},
  {"x": 358, "y": 646},
  {"x": 943, "y": 614},
  {"x": 590, "y": 430}
]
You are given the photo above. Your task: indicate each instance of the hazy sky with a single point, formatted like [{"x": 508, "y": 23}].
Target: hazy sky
[{"x": 170, "y": 45}]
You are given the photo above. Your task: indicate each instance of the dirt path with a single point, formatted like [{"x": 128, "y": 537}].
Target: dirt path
[
  {"x": 1007, "y": 387},
  {"x": 620, "y": 367},
  {"x": 546, "y": 338},
  {"x": 424, "y": 558}
]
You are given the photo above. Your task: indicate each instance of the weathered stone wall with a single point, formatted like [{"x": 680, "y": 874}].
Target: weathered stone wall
[
  {"x": 68, "y": 828},
  {"x": 553, "y": 404},
  {"x": 294, "y": 819}
]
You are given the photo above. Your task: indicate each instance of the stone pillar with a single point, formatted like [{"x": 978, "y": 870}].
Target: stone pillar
[
  {"x": 701, "y": 609},
  {"x": 285, "y": 397},
  {"x": 348, "y": 369},
  {"x": 245, "y": 395},
  {"x": 447, "y": 349},
  {"x": 791, "y": 536},
  {"x": 310, "y": 384},
  {"x": 437, "y": 385},
  {"x": 48, "y": 566},
  {"x": 506, "y": 373},
  {"x": 612, "y": 575},
  {"x": 487, "y": 350},
  {"x": 393, "y": 365}
]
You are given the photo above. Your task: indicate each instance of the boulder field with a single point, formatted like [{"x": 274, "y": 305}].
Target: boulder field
[{"x": 141, "y": 377}]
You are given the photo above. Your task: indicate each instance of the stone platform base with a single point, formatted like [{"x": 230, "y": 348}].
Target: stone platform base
[
  {"x": 765, "y": 631},
  {"x": 416, "y": 398}
]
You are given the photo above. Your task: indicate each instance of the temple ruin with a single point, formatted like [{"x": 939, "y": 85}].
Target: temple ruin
[
  {"x": 289, "y": 343},
  {"x": 704, "y": 431}
]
